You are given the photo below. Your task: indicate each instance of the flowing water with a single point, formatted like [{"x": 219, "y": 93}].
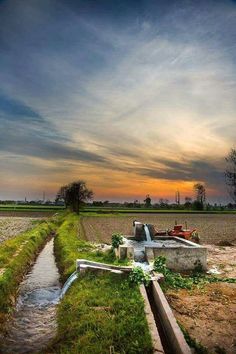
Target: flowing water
[
  {"x": 68, "y": 283},
  {"x": 147, "y": 232},
  {"x": 34, "y": 322}
]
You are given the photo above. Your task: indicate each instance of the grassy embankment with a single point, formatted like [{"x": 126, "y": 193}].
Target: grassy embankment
[
  {"x": 100, "y": 313},
  {"x": 16, "y": 255}
]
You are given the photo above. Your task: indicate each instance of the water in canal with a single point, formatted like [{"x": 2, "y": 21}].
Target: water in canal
[{"x": 34, "y": 321}]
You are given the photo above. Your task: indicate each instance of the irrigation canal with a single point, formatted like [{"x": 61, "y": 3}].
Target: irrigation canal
[{"x": 33, "y": 323}]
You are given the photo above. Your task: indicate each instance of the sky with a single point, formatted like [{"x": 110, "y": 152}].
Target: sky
[{"x": 134, "y": 97}]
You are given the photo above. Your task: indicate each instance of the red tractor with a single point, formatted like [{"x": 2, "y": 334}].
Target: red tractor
[{"x": 187, "y": 234}]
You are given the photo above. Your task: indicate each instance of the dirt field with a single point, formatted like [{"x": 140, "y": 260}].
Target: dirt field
[
  {"x": 211, "y": 228},
  {"x": 10, "y": 227},
  {"x": 209, "y": 315}
]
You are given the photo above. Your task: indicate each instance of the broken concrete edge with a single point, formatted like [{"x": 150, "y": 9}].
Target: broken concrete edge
[
  {"x": 156, "y": 340},
  {"x": 173, "y": 332}
]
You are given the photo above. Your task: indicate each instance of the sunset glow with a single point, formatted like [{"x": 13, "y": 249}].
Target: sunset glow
[{"x": 134, "y": 97}]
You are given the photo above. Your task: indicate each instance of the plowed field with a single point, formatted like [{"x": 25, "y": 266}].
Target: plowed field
[{"x": 211, "y": 228}]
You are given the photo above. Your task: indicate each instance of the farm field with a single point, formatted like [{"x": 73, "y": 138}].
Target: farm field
[
  {"x": 212, "y": 228},
  {"x": 15, "y": 207},
  {"x": 10, "y": 227},
  {"x": 30, "y": 211}
]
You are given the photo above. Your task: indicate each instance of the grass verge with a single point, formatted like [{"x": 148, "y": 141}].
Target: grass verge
[
  {"x": 16, "y": 255},
  {"x": 101, "y": 313},
  {"x": 70, "y": 244}
]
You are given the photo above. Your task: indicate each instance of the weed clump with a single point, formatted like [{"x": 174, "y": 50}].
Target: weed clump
[
  {"x": 139, "y": 276},
  {"x": 178, "y": 281}
]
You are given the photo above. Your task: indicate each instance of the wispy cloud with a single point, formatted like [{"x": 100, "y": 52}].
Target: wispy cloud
[{"x": 143, "y": 88}]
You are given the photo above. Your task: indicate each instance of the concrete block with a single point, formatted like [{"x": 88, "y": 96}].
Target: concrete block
[
  {"x": 122, "y": 252},
  {"x": 125, "y": 252}
]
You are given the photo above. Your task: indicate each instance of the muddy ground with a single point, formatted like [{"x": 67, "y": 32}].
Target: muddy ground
[{"x": 208, "y": 314}]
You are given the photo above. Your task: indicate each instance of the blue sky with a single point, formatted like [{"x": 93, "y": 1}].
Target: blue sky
[{"x": 134, "y": 97}]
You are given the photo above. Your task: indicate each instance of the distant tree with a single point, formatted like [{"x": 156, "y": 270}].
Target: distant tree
[
  {"x": 230, "y": 174},
  {"x": 188, "y": 203},
  {"x": 164, "y": 203},
  {"x": 97, "y": 203},
  {"x": 147, "y": 201},
  {"x": 74, "y": 194},
  {"x": 200, "y": 191},
  {"x": 230, "y": 206}
]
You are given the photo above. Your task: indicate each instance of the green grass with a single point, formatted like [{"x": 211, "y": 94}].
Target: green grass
[
  {"x": 71, "y": 244},
  {"x": 28, "y": 208},
  {"x": 109, "y": 210},
  {"x": 16, "y": 255},
  {"x": 100, "y": 312}
]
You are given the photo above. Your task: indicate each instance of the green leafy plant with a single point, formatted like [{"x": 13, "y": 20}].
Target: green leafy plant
[
  {"x": 116, "y": 240},
  {"x": 177, "y": 281},
  {"x": 138, "y": 276},
  {"x": 160, "y": 265}
]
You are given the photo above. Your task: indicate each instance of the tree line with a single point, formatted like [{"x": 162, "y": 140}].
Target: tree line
[{"x": 77, "y": 193}]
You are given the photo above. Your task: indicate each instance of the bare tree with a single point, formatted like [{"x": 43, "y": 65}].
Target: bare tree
[
  {"x": 74, "y": 194},
  {"x": 230, "y": 173}
]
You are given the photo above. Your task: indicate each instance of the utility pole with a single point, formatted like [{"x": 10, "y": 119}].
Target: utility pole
[
  {"x": 177, "y": 197},
  {"x": 43, "y": 196}
]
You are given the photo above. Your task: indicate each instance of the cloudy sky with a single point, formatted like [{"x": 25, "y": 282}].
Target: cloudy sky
[{"x": 132, "y": 96}]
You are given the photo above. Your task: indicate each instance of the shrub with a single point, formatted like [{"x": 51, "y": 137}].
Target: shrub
[{"x": 116, "y": 240}]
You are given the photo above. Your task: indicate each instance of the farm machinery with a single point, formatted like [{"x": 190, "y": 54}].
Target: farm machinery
[{"x": 177, "y": 231}]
